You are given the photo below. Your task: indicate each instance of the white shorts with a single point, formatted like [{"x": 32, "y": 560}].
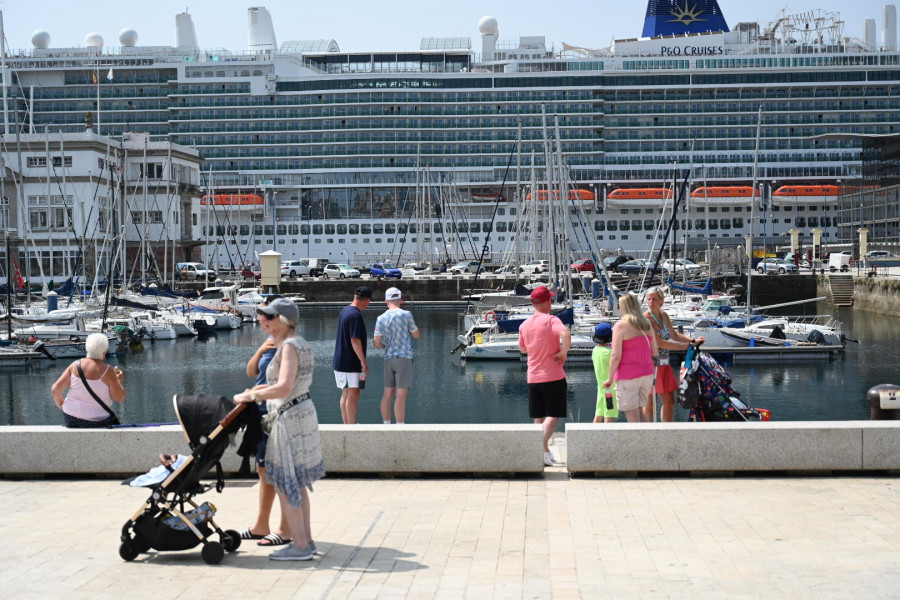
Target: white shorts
[
  {"x": 346, "y": 380},
  {"x": 634, "y": 393}
]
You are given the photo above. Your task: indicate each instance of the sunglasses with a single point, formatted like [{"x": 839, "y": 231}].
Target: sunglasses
[{"x": 266, "y": 315}]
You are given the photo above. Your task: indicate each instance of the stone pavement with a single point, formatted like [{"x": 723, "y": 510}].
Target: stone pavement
[{"x": 424, "y": 538}]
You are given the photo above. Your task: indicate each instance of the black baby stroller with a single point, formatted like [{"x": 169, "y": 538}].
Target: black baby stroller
[
  {"x": 170, "y": 519},
  {"x": 706, "y": 390}
]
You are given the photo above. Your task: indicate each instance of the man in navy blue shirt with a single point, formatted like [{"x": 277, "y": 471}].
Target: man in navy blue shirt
[{"x": 350, "y": 353}]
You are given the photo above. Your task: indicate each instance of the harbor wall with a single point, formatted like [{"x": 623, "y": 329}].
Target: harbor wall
[
  {"x": 876, "y": 294},
  {"x": 619, "y": 449},
  {"x": 767, "y": 289}
]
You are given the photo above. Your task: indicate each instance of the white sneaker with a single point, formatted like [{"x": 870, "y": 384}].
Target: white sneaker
[
  {"x": 292, "y": 552},
  {"x": 548, "y": 459}
]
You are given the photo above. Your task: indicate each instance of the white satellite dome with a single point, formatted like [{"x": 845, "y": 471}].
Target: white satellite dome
[
  {"x": 488, "y": 25},
  {"x": 40, "y": 39},
  {"x": 93, "y": 40},
  {"x": 128, "y": 37}
]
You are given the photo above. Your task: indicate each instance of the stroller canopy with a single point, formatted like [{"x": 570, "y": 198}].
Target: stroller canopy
[{"x": 199, "y": 415}]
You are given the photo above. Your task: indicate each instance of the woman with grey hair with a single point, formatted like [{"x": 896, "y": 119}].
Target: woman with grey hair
[
  {"x": 294, "y": 452},
  {"x": 81, "y": 408}
]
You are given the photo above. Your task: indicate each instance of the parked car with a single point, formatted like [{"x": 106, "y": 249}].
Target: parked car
[
  {"x": 384, "y": 270},
  {"x": 535, "y": 267},
  {"x": 295, "y": 268},
  {"x": 584, "y": 264},
  {"x": 465, "y": 266},
  {"x": 776, "y": 265},
  {"x": 678, "y": 266},
  {"x": 879, "y": 254},
  {"x": 505, "y": 270},
  {"x": 250, "y": 272},
  {"x": 339, "y": 271},
  {"x": 612, "y": 262},
  {"x": 634, "y": 267},
  {"x": 194, "y": 271},
  {"x": 316, "y": 266}
]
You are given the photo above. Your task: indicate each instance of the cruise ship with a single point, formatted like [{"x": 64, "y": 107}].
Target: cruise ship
[{"x": 433, "y": 154}]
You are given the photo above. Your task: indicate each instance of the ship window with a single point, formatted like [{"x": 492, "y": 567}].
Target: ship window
[
  {"x": 378, "y": 229},
  {"x": 281, "y": 229},
  {"x": 269, "y": 230},
  {"x": 365, "y": 229},
  {"x": 317, "y": 230},
  {"x": 342, "y": 229},
  {"x": 501, "y": 227},
  {"x": 599, "y": 226},
  {"x": 412, "y": 227},
  {"x": 738, "y": 223},
  {"x": 304, "y": 230},
  {"x": 636, "y": 225},
  {"x": 713, "y": 223},
  {"x": 624, "y": 225},
  {"x": 401, "y": 228},
  {"x": 329, "y": 229},
  {"x": 353, "y": 229},
  {"x": 257, "y": 230},
  {"x": 649, "y": 225},
  {"x": 390, "y": 228},
  {"x": 612, "y": 226},
  {"x": 293, "y": 230},
  {"x": 245, "y": 230}
]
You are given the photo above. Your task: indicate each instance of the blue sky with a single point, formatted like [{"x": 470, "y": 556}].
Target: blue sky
[{"x": 372, "y": 25}]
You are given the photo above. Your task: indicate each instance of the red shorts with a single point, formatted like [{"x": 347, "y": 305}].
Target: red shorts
[{"x": 665, "y": 379}]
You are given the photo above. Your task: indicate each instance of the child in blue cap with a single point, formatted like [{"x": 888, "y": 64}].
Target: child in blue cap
[{"x": 607, "y": 405}]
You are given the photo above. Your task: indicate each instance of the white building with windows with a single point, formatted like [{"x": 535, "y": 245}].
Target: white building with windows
[{"x": 78, "y": 204}]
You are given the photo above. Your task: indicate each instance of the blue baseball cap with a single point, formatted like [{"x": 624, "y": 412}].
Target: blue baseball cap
[{"x": 603, "y": 330}]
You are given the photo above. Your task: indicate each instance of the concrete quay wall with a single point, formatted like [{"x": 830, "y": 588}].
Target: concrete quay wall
[
  {"x": 809, "y": 446},
  {"x": 52, "y": 449},
  {"x": 615, "y": 449},
  {"x": 876, "y": 294}
]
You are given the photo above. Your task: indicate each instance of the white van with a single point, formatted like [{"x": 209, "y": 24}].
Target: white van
[{"x": 839, "y": 261}]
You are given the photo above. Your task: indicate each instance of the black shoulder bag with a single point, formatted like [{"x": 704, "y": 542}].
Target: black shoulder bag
[{"x": 115, "y": 419}]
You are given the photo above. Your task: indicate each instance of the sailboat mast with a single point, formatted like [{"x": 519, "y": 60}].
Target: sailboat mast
[{"x": 753, "y": 207}]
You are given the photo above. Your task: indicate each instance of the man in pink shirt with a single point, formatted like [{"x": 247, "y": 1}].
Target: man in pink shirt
[{"x": 546, "y": 341}]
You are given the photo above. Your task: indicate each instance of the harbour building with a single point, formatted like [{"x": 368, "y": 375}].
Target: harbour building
[{"x": 430, "y": 153}]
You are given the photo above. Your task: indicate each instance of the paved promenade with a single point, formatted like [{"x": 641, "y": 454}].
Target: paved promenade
[{"x": 424, "y": 538}]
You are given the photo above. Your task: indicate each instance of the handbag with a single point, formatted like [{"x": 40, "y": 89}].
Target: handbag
[{"x": 115, "y": 419}]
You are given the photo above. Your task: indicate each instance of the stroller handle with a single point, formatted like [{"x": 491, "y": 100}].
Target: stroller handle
[
  {"x": 237, "y": 410},
  {"x": 697, "y": 343}
]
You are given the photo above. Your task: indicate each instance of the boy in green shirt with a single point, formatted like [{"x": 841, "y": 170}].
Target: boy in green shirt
[{"x": 607, "y": 406}]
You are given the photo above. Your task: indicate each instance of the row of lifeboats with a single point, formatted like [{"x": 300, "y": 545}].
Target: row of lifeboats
[{"x": 798, "y": 193}]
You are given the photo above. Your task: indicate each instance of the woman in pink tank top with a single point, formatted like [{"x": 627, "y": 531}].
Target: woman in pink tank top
[
  {"x": 80, "y": 408},
  {"x": 631, "y": 364}
]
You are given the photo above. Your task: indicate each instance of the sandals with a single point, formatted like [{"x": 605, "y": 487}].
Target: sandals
[
  {"x": 273, "y": 539},
  {"x": 246, "y": 534}
]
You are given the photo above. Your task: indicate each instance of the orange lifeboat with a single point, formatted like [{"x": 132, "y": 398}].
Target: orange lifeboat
[
  {"x": 807, "y": 190},
  {"x": 573, "y": 195},
  {"x": 728, "y": 191},
  {"x": 234, "y": 200},
  {"x": 806, "y": 194},
  {"x": 631, "y": 194}
]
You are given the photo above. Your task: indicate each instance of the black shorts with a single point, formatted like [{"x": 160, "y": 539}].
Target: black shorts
[{"x": 547, "y": 399}]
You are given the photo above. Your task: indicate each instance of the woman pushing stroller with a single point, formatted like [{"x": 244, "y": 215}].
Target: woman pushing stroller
[{"x": 294, "y": 452}]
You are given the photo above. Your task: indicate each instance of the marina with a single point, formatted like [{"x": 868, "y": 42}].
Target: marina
[{"x": 446, "y": 389}]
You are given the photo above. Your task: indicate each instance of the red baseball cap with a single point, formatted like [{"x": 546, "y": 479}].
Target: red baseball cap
[{"x": 541, "y": 294}]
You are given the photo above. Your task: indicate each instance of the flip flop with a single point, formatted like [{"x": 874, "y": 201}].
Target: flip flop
[
  {"x": 246, "y": 534},
  {"x": 273, "y": 539}
]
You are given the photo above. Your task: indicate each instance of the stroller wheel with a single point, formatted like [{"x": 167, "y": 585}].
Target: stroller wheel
[
  {"x": 212, "y": 553},
  {"x": 140, "y": 544},
  {"x": 231, "y": 540},
  {"x": 128, "y": 550}
]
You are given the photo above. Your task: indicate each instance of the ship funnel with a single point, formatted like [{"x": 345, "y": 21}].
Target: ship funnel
[
  {"x": 185, "y": 34},
  {"x": 260, "y": 31},
  {"x": 889, "y": 28},
  {"x": 490, "y": 31},
  {"x": 677, "y": 17}
]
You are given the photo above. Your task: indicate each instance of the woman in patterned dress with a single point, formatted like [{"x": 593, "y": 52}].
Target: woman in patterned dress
[{"x": 294, "y": 453}]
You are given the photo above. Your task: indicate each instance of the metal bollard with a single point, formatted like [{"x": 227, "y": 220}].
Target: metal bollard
[{"x": 884, "y": 401}]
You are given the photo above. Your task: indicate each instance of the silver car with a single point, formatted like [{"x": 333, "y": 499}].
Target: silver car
[{"x": 776, "y": 265}]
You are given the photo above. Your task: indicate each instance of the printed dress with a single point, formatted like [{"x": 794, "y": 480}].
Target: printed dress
[{"x": 294, "y": 453}]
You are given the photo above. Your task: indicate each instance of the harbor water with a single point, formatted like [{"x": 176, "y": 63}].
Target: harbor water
[{"x": 447, "y": 390}]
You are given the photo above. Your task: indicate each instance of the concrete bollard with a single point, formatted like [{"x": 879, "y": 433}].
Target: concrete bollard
[{"x": 884, "y": 401}]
